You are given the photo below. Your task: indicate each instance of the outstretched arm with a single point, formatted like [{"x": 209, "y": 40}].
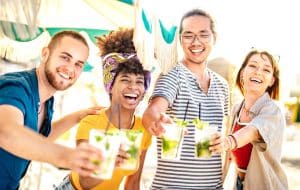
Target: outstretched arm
[
  {"x": 23, "y": 142},
  {"x": 238, "y": 139},
  {"x": 62, "y": 125},
  {"x": 154, "y": 115}
]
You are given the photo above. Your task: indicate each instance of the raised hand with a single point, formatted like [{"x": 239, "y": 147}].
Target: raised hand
[{"x": 157, "y": 128}]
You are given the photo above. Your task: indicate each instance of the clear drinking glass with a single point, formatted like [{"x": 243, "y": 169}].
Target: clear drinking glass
[
  {"x": 172, "y": 141},
  {"x": 203, "y": 135},
  {"x": 109, "y": 144},
  {"x": 131, "y": 141}
]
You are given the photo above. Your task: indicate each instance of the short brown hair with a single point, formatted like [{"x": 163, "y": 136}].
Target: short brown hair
[{"x": 73, "y": 34}]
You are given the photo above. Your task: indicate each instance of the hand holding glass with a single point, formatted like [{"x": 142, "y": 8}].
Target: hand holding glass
[
  {"x": 109, "y": 144},
  {"x": 131, "y": 141},
  {"x": 203, "y": 135},
  {"x": 172, "y": 141}
]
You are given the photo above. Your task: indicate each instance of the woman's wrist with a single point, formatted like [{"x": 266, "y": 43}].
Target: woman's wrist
[
  {"x": 227, "y": 144},
  {"x": 230, "y": 143},
  {"x": 234, "y": 143}
]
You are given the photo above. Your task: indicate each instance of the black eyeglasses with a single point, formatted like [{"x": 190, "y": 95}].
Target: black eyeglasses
[{"x": 191, "y": 37}]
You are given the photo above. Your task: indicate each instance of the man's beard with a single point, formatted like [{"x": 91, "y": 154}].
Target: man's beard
[{"x": 58, "y": 85}]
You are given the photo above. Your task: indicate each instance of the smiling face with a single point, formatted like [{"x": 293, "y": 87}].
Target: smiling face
[
  {"x": 128, "y": 90},
  {"x": 197, "y": 38},
  {"x": 258, "y": 74},
  {"x": 64, "y": 62}
]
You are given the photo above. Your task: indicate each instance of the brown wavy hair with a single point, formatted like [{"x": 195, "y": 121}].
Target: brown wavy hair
[{"x": 273, "y": 91}]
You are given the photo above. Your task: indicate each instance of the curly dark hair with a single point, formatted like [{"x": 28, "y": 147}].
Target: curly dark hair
[
  {"x": 132, "y": 65},
  {"x": 118, "y": 41},
  {"x": 117, "y": 50}
]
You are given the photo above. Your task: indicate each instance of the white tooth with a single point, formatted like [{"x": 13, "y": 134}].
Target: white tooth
[
  {"x": 197, "y": 50},
  {"x": 255, "y": 79},
  {"x": 131, "y": 95},
  {"x": 64, "y": 75}
]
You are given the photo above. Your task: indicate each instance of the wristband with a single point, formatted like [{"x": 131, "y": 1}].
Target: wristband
[
  {"x": 229, "y": 144},
  {"x": 235, "y": 141}
]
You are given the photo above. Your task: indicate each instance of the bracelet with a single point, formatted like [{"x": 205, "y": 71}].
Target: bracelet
[
  {"x": 227, "y": 144},
  {"x": 235, "y": 141}
]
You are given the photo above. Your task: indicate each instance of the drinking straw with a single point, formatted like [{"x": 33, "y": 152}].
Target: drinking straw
[
  {"x": 109, "y": 118},
  {"x": 186, "y": 109},
  {"x": 181, "y": 132},
  {"x": 119, "y": 117},
  {"x": 199, "y": 114}
]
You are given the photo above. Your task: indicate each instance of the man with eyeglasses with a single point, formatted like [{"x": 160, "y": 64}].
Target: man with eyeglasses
[{"x": 190, "y": 83}]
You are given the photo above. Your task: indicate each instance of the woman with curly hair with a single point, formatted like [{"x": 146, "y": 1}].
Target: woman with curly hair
[{"x": 126, "y": 82}]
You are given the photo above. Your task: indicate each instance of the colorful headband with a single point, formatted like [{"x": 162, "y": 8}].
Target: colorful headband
[{"x": 110, "y": 64}]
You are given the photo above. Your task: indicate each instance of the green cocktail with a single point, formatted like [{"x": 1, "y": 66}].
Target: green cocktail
[
  {"x": 170, "y": 147},
  {"x": 203, "y": 133},
  {"x": 202, "y": 149},
  {"x": 131, "y": 142},
  {"x": 109, "y": 144},
  {"x": 172, "y": 141}
]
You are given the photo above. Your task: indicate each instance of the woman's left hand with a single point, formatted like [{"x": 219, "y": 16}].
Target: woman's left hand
[
  {"x": 219, "y": 143},
  {"x": 122, "y": 156}
]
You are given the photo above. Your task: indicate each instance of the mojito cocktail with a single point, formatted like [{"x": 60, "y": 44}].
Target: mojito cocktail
[
  {"x": 203, "y": 134},
  {"x": 131, "y": 142},
  {"x": 172, "y": 141},
  {"x": 109, "y": 144}
]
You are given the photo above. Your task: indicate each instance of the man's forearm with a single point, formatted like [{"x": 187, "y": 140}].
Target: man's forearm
[
  {"x": 62, "y": 125},
  {"x": 29, "y": 145},
  {"x": 150, "y": 116}
]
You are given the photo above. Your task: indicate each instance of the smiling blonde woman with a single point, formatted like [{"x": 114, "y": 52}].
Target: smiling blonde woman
[{"x": 256, "y": 133}]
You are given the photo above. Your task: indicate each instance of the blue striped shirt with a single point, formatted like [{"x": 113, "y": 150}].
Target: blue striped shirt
[{"x": 180, "y": 87}]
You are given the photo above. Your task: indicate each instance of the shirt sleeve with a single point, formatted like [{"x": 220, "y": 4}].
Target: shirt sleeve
[
  {"x": 14, "y": 95},
  {"x": 147, "y": 140},
  {"x": 270, "y": 123},
  {"x": 167, "y": 86},
  {"x": 85, "y": 125}
]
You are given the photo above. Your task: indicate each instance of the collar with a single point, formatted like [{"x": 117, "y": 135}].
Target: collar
[
  {"x": 259, "y": 103},
  {"x": 186, "y": 69}
]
